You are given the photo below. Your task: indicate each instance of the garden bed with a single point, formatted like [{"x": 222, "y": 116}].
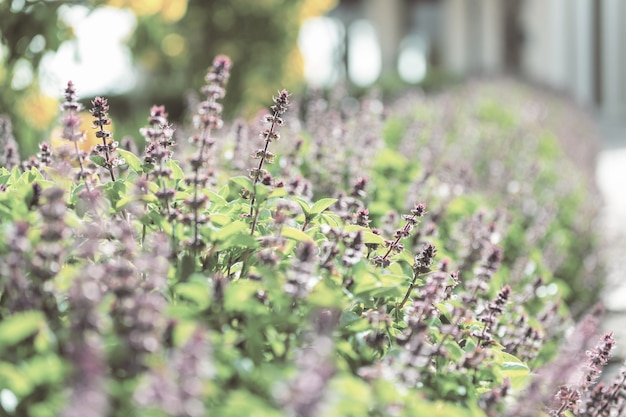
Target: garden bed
[{"x": 422, "y": 257}]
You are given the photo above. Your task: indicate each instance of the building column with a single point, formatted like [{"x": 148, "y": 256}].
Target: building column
[
  {"x": 559, "y": 47},
  {"x": 455, "y": 42},
  {"x": 388, "y": 18},
  {"x": 492, "y": 36},
  {"x": 612, "y": 58},
  {"x": 583, "y": 45}
]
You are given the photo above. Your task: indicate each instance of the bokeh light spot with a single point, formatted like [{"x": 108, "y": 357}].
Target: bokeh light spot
[{"x": 173, "y": 44}]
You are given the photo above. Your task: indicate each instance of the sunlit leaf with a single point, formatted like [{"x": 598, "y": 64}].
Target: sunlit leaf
[
  {"x": 19, "y": 326},
  {"x": 131, "y": 159},
  {"x": 98, "y": 160},
  {"x": 295, "y": 234},
  {"x": 322, "y": 205},
  {"x": 177, "y": 172}
]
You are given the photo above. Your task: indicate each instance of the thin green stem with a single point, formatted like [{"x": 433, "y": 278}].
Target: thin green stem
[{"x": 408, "y": 293}]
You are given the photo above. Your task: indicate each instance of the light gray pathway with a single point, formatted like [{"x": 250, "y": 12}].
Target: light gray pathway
[{"x": 611, "y": 179}]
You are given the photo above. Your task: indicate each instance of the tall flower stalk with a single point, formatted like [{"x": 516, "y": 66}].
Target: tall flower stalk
[
  {"x": 207, "y": 119},
  {"x": 100, "y": 112},
  {"x": 274, "y": 121},
  {"x": 71, "y": 121},
  {"x": 160, "y": 137},
  {"x": 395, "y": 246}
]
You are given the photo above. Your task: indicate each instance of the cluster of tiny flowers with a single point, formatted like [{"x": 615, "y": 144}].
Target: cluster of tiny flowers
[
  {"x": 71, "y": 107},
  {"x": 300, "y": 279},
  {"x": 483, "y": 275},
  {"x": 493, "y": 310},
  {"x": 354, "y": 248},
  {"x": 28, "y": 266},
  {"x": 421, "y": 265},
  {"x": 304, "y": 395},
  {"x": 70, "y": 124},
  {"x": 85, "y": 347},
  {"x": 607, "y": 400},
  {"x": 16, "y": 288},
  {"x": 10, "y": 156},
  {"x": 331, "y": 248},
  {"x": 160, "y": 138},
  {"x": 107, "y": 149},
  {"x": 137, "y": 309},
  {"x": 394, "y": 245},
  {"x": 478, "y": 233},
  {"x": 45, "y": 154},
  {"x": 207, "y": 119},
  {"x": 570, "y": 397},
  {"x": 178, "y": 387},
  {"x": 159, "y": 135},
  {"x": 48, "y": 255},
  {"x": 423, "y": 261}
]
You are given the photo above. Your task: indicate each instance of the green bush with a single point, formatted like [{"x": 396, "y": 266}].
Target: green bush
[{"x": 390, "y": 261}]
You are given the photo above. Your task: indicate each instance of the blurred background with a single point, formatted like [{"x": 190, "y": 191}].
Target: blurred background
[{"x": 144, "y": 52}]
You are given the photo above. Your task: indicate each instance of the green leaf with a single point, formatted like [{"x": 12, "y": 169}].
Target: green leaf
[
  {"x": 115, "y": 190},
  {"x": 98, "y": 160},
  {"x": 368, "y": 236},
  {"x": 12, "y": 378},
  {"x": 183, "y": 331},
  {"x": 442, "y": 409},
  {"x": 215, "y": 199},
  {"x": 220, "y": 219},
  {"x": 322, "y": 205},
  {"x": 371, "y": 238},
  {"x": 325, "y": 294},
  {"x": 243, "y": 182},
  {"x": 240, "y": 296},
  {"x": 454, "y": 350},
  {"x": 262, "y": 193},
  {"x": 347, "y": 318},
  {"x": 382, "y": 285},
  {"x": 194, "y": 291},
  {"x": 242, "y": 403},
  {"x": 233, "y": 228},
  {"x": 354, "y": 396},
  {"x": 233, "y": 234},
  {"x": 224, "y": 191},
  {"x": 295, "y": 234},
  {"x": 129, "y": 199},
  {"x": 177, "y": 172},
  {"x": 19, "y": 326},
  {"x": 330, "y": 219},
  {"x": 241, "y": 239},
  {"x": 187, "y": 267},
  {"x": 131, "y": 159},
  {"x": 514, "y": 369},
  {"x": 278, "y": 192},
  {"x": 306, "y": 208},
  {"x": 44, "y": 369}
]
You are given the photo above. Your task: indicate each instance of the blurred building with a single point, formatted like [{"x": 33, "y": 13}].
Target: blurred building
[{"x": 575, "y": 46}]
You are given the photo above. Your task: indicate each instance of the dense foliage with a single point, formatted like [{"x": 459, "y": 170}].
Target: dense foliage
[{"x": 406, "y": 260}]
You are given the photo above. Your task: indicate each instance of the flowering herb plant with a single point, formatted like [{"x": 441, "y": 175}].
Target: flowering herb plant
[{"x": 401, "y": 261}]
